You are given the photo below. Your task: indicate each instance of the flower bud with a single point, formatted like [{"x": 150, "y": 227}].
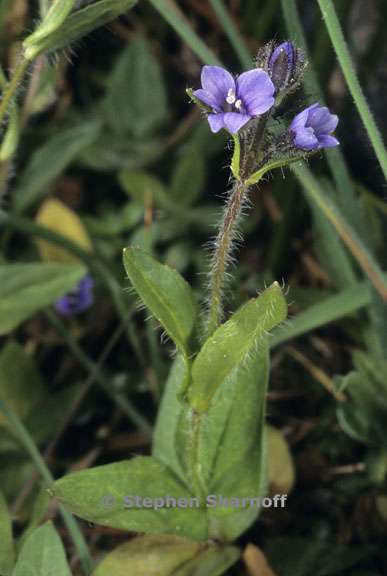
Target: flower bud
[
  {"x": 281, "y": 65},
  {"x": 284, "y": 63}
]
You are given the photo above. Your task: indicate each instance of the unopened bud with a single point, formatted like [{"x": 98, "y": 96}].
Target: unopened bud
[{"x": 285, "y": 65}]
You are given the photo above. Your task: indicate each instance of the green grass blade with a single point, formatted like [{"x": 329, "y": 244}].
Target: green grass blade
[
  {"x": 330, "y": 309},
  {"x": 173, "y": 17},
  {"x": 232, "y": 33},
  {"x": 349, "y": 236},
  {"x": 29, "y": 445},
  {"x": 338, "y": 41},
  {"x": 345, "y": 190}
]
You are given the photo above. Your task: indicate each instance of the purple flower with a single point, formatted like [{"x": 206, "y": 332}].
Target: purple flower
[
  {"x": 282, "y": 64},
  {"x": 234, "y": 101},
  {"x": 78, "y": 299},
  {"x": 312, "y": 128}
]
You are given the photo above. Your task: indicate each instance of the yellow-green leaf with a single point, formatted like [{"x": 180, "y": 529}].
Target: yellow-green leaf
[
  {"x": 59, "y": 218},
  {"x": 54, "y": 18},
  {"x": 76, "y": 25},
  {"x": 281, "y": 470},
  {"x": 158, "y": 555}
]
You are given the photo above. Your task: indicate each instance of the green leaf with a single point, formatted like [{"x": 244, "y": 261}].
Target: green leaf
[
  {"x": 214, "y": 560},
  {"x": 143, "y": 188},
  {"x": 168, "y": 419},
  {"x": 56, "y": 216},
  {"x": 7, "y": 553},
  {"x": 281, "y": 471},
  {"x": 54, "y": 18},
  {"x": 305, "y": 556},
  {"x": 37, "y": 514},
  {"x": 232, "y": 342},
  {"x": 136, "y": 101},
  {"x": 21, "y": 387},
  {"x": 99, "y": 495},
  {"x": 110, "y": 153},
  {"x": 165, "y": 293},
  {"x": 42, "y": 553},
  {"x": 27, "y": 288},
  {"x": 188, "y": 177},
  {"x": 148, "y": 556},
  {"x": 77, "y": 25},
  {"x": 231, "y": 446},
  {"x": 332, "y": 308},
  {"x": 50, "y": 160},
  {"x": 167, "y": 556},
  {"x": 363, "y": 415}
]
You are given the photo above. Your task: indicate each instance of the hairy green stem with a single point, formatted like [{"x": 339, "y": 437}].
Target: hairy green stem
[
  {"x": 337, "y": 38},
  {"x": 31, "y": 448},
  {"x": 222, "y": 253},
  {"x": 11, "y": 89}
]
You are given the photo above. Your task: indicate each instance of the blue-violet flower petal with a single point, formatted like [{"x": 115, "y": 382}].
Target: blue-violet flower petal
[
  {"x": 312, "y": 128},
  {"x": 234, "y": 102},
  {"x": 78, "y": 300}
]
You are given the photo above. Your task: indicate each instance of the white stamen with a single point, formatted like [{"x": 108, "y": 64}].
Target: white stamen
[
  {"x": 230, "y": 96},
  {"x": 238, "y": 104}
]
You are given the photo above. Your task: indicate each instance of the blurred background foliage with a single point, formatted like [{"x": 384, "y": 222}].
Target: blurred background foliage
[{"x": 104, "y": 150}]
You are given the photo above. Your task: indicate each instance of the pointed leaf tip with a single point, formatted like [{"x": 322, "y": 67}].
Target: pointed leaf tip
[
  {"x": 232, "y": 343},
  {"x": 165, "y": 292}
]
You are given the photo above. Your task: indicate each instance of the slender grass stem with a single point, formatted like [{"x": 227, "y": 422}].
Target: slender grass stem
[
  {"x": 339, "y": 44},
  {"x": 222, "y": 253},
  {"x": 31, "y": 448},
  {"x": 11, "y": 89},
  {"x": 172, "y": 15},
  {"x": 345, "y": 191},
  {"x": 232, "y": 33},
  {"x": 69, "y": 415},
  {"x": 361, "y": 253},
  {"x": 122, "y": 402},
  {"x": 328, "y": 309}
]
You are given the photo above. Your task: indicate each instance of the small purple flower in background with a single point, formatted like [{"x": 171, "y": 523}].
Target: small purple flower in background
[
  {"x": 234, "y": 101},
  {"x": 78, "y": 299},
  {"x": 312, "y": 128}
]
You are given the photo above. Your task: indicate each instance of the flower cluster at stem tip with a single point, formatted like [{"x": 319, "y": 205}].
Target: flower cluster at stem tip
[{"x": 243, "y": 106}]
